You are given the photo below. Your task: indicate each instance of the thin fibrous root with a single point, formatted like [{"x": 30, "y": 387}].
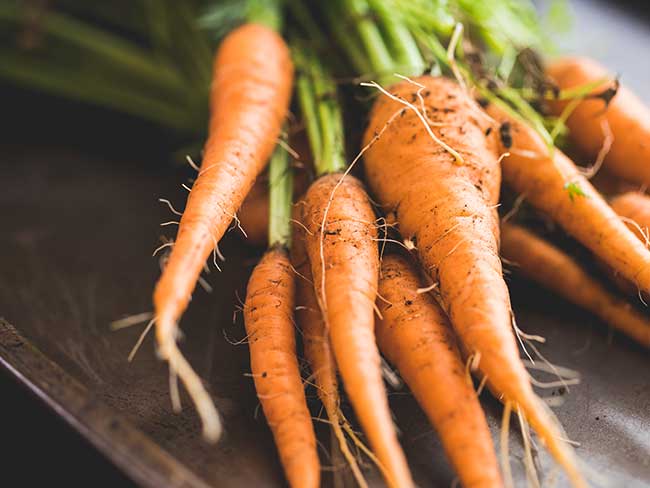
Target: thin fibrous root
[
  {"x": 212, "y": 427},
  {"x": 131, "y": 320},
  {"x": 141, "y": 339}
]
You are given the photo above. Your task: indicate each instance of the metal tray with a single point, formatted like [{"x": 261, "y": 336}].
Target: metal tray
[{"x": 77, "y": 236}]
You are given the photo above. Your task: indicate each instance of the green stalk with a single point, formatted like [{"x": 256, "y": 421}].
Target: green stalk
[
  {"x": 374, "y": 47},
  {"x": 93, "y": 87},
  {"x": 399, "y": 40},
  {"x": 103, "y": 47},
  {"x": 321, "y": 111},
  {"x": 265, "y": 12},
  {"x": 280, "y": 198}
]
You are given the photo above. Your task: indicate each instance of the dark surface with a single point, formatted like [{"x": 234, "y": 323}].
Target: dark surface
[{"x": 77, "y": 235}]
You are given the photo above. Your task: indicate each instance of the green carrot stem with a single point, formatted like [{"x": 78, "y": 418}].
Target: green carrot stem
[
  {"x": 321, "y": 111},
  {"x": 280, "y": 198},
  {"x": 399, "y": 40},
  {"x": 111, "y": 50},
  {"x": 265, "y": 12},
  {"x": 374, "y": 47}
]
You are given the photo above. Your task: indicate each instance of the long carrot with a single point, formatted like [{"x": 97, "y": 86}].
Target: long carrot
[
  {"x": 341, "y": 244},
  {"x": 415, "y": 335},
  {"x": 268, "y": 315},
  {"x": 434, "y": 168},
  {"x": 547, "y": 265},
  {"x": 553, "y": 184},
  {"x": 249, "y": 100},
  {"x": 626, "y": 116},
  {"x": 317, "y": 348}
]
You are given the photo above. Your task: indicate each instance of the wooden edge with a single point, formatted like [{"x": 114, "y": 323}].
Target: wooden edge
[{"x": 128, "y": 448}]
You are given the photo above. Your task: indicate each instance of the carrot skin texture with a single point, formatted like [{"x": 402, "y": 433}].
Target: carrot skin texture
[
  {"x": 268, "y": 315},
  {"x": 315, "y": 338},
  {"x": 415, "y": 335},
  {"x": 549, "y": 266},
  {"x": 346, "y": 291},
  {"x": 447, "y": 208},
  {"x": 542, "y": 177},
  {"x": 635, "y": 206},
  {"x": 628, "y": 118},
  {"x": 249, "y": 99}
]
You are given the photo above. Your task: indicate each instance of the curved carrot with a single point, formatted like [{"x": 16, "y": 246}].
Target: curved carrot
[
  {"x": 317, "y": 349},
  {"x": 547, "y": 265},
  {"x": 554, "y": 185},
  {"x": 445, "y": 203},
  {"x": 627, "y": 116},
  {"x": 415, "y": 335},
  {"x": 268, "y": 315},
  {"x": 249, "y": 100},
  {"x": 340, "y": 241}
]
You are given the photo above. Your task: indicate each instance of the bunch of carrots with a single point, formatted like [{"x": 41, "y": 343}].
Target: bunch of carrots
[{"x": 394, "y": 250}]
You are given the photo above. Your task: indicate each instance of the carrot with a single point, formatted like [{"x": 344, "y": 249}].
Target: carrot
[
  {"x": 444, "y": 198},
  {"x": 268, "y": 314},
  {"x": 626, "y": 115},
  {"x": 547, "y": 265},
  {"x": 317, "y": 348},
  {"x": 341, "y": 244},
  {"x": 634, "y": 207},
  {"x": 553, "y": 184},
  {"x": 249, "y": 100},
  {"x": 415, "y": 335}
]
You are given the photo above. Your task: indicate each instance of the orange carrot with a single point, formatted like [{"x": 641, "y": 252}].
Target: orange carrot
[
  {"x": 340, "y": 241},
  {"x": 415, "y": 335},
  {"x": 444, "y": 198},
  {"x": 626, "y": 116},
  {"x": 317, "y": 349},
  {"x": 268, "y": 315},
  {"x": 552, "y": 268},
  {"x": 249, "y": 100},
  {"x": 553, "y": 184},
  {"x": 634, "y": 207}
]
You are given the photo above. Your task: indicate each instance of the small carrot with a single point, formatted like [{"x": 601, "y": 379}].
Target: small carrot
[
  {"x": 547, "y": 265},
  {"x": 634, "y": 207},
  {"x": 415, "y": 335},
  {"x": 626, "y": 116},
  {"x": 268, "y": 316},
  {"x": 249, "y": 100},
  {"x": 341, "y": 244},
  {"x": 553, "y": 184},
  {"x": 433, "y": 166}
]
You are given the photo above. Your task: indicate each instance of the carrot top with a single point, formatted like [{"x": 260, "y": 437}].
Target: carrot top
[
  {"x": 280, "y": 195},
  {"x": 320, "y": 109}
]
